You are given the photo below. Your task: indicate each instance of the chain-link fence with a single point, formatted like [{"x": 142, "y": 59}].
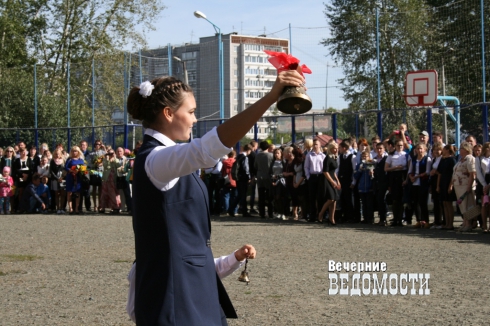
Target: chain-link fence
[{"x": 70, "y": 101}]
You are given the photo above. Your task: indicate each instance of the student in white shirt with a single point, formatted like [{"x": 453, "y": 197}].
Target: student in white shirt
[
  {"x": 418, "y": 174},
  {"x": 171, "y": 218},
  {"x": 396, "y": 166}
]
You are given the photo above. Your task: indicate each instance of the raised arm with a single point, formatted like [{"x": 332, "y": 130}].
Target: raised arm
[{"x": 235, "y": 128}]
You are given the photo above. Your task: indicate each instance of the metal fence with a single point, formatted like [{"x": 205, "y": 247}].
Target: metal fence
[
  {"x": 276, "y": 129},
  {"x": 87, "y": 100}
]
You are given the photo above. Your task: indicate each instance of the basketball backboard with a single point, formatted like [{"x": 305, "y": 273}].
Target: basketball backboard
[{"x": 421, "y": 88}]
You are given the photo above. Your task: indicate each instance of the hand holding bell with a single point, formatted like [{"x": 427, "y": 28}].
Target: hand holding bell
[
  {"x": 293, "y": 100},
  {"x": 246, "y": 252}
]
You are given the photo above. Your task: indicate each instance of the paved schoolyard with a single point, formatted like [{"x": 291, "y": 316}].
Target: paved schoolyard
[{"x": 71, "y": 270}]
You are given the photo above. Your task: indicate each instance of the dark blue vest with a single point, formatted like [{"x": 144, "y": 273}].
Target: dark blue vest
[
  {"x": 176, "y": 280},
  {"x": 422, "y": 169}
]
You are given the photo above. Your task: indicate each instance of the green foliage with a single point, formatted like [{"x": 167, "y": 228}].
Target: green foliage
[
  {"x": 353, "y": 46},
  {"x": 65, "y": 38},
  {"x": 413, "y": 35}
]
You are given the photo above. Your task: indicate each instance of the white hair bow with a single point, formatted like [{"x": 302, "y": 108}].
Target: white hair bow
[{"x": 146, "y": 88}]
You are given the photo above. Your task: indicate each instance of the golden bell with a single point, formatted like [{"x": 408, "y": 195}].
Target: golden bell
[
  {"x": 244, "y": 275},
  {"x": 294, "y": 100}
]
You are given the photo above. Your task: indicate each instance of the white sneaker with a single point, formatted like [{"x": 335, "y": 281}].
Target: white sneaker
[
  {"x": 277, "y": 216},
  {"x": 284, "y": 217}
]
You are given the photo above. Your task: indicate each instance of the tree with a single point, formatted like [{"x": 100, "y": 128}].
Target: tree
[
  {"x": 66, "y": 37},
  {"x": 353, "y": 46},
  {"x": 457, "y": 47},
  {"x": 404, "y": 35}
]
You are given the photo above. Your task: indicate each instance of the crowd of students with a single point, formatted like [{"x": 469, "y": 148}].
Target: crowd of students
[
  {"x": 348, "y": 181},
  {"x": 62, "y": 182}
]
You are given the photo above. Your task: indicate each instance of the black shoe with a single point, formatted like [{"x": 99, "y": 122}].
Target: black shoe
[
  {"x": 262, "y": 216},
  {"x": 246, "y": 215},
  {"x": 253, "y": 211},
  {"x": 231, "y": 214},
  {"x": 396, "y": 224}
]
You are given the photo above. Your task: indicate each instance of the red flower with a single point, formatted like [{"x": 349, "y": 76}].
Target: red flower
[{"x": 284, "y": 62}]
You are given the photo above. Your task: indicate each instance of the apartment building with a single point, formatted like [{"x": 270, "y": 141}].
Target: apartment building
[{"x": 247, "y": 73}]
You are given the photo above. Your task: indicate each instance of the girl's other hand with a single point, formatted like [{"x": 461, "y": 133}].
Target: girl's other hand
[{"x": 247, "y": 251}]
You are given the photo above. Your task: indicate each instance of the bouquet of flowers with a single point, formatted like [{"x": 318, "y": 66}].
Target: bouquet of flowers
[
  {"x": 97, "y": 160},
  {"x": 131, "y": 155},
  {"x": 79, "y": 169},
  {"x": 95, "y": 172},
  {"x": 369, "y": 165},
  {"x": 2, "y": 179}
]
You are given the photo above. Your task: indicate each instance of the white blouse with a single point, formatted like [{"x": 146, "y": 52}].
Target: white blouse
[
  {"x": 435, "y": 162},
  {"x": 398, "y": 158},
  {"x": 417, "y": 169},
  {"x": 165, "y": 164},
  {"x": 482, "y": 168}
]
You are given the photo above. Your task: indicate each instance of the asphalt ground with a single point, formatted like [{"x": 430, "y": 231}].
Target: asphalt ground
[{"x": 71, "y": 270}]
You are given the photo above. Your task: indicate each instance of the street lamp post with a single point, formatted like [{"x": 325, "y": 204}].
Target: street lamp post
[
  {"x": 186, "y": 78},
  {"x": 199, "y": 14},
  {"x": 134, "y": 133},
  {"x": 273, "y": 127}
]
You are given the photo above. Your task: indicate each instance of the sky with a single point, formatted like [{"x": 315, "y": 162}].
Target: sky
[{"x": 177, "y": 25}]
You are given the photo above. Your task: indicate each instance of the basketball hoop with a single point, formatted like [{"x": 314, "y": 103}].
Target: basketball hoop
[{"x": 421, "y": 88}]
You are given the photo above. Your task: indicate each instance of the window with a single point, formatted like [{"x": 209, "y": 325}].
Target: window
[
  {"x": 254, "y": 82},
  {"x": 189, "y": 55},
  {"x": 235, "y": 48},
  {"x": 270, "y": 72},
  {"x": 235, "y": 72},
  {"x": 254, "y": 71},
  {"x": 254, "y": 47},
  {"x": 235, "y": 96},
  {"x": 273, "y": 48},
  {"x": 236, "y": 84},
  {"x": 235, "y": 60},
  {"x": 191, "y": 64},
  {"x": 253, "y": 94},
  {"x": 235, "y": 108}
]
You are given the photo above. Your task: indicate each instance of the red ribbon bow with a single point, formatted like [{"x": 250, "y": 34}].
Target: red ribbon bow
[{"x": 283, "y": 62}]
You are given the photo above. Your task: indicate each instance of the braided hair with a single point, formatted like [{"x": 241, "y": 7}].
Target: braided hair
[{"x": 167, "y": 92}]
